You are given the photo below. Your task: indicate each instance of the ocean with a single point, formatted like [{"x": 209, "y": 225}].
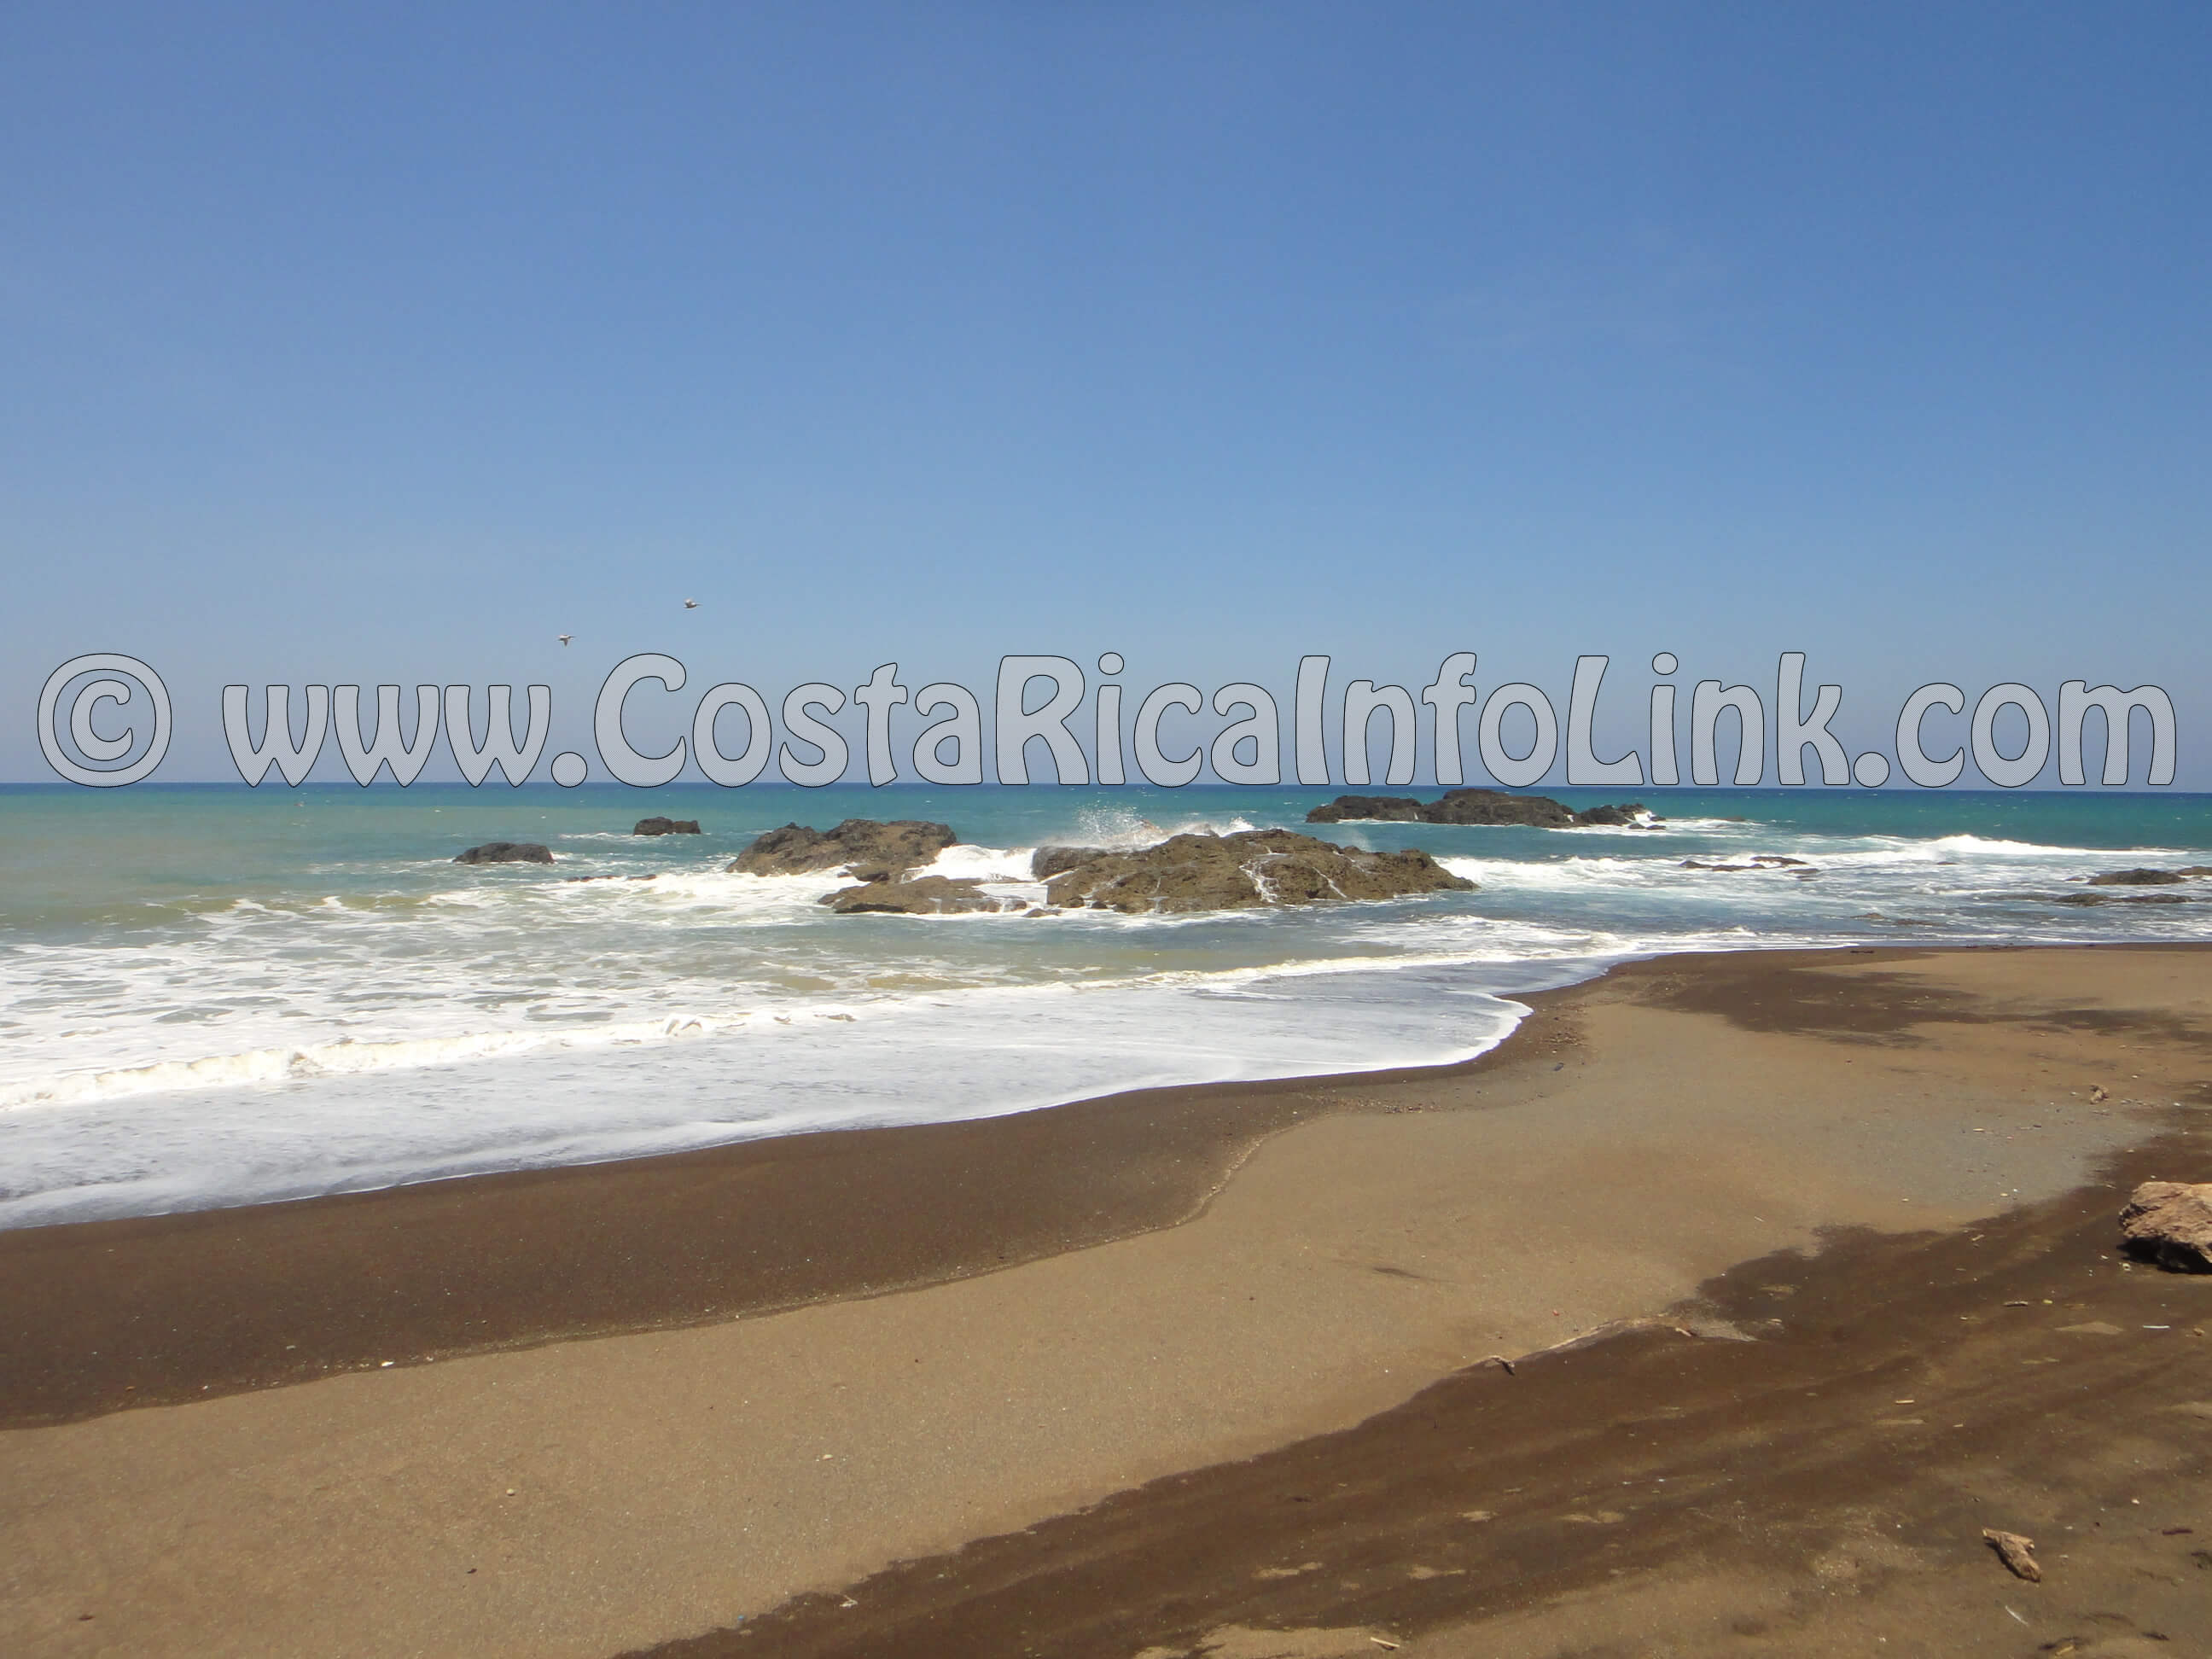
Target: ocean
[{"x": 212, "y": 995}]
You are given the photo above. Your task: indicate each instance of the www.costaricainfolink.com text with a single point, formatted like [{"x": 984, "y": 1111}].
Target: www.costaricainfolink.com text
[{"x": 106, "y": 719}]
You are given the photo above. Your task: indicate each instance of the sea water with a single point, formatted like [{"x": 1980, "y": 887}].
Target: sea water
[{"x": 213, "y": 995}]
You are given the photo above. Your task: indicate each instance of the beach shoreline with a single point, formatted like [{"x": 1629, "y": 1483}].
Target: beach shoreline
[{"x": 1424, "y": 1218}]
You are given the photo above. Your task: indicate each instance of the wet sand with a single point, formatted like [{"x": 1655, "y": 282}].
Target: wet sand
[{"x": 1192, "y": 1340}]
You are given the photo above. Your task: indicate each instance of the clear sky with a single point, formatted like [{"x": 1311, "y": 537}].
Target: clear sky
[{"x": 386, "y": 344}]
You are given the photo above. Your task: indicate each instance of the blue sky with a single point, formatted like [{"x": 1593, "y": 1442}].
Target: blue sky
[{"x": 387, "y": 344}]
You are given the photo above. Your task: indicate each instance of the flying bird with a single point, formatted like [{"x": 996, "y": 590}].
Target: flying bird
[
  {"x": 565, "y": 638},
  {"x": 691, "y": 605}
]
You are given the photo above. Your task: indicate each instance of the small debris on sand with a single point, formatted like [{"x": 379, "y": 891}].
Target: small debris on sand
[{"x": 2016, "y": 1552}]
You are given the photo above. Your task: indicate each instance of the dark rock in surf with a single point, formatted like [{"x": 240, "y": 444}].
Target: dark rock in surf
[
  {"x": 1478, "y": 807},
  {"x": 1249, "y": 870},
  {"x": 666, "y": 827},
  {"x": 2119, "y": 898},
  {"x": 1495, "y": 806},
  {"x": 1049, "y": 861},
  {"x": 872, "y": 850},
  {"x": 506, "y": 852},
  {"x": 1628, "y": 816},
  {"x": 925, "y": 896},
  {"x": 2140, "y": 878},
  {"x": 1371, "y": 809}
]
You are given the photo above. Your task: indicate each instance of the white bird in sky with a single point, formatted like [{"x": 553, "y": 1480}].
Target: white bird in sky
[
  {"x": 691, "y": 605},
  {"x": 565, "y": 638}
]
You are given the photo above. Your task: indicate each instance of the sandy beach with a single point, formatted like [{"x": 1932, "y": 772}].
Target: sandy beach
[{"x": 1805, "y": 1262}]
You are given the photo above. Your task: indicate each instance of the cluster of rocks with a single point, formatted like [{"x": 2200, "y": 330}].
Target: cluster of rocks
[
  {"x": 867, "y": 850},
  {"x": 2139, "y": 877},
  {"x": 530, "y": 852},
  {"x": 1250, "y": 869},
  {"x": 1184, "y": 873},
  {"x": 1488, "y": 806},
  {"x": 880, "y": 858}
]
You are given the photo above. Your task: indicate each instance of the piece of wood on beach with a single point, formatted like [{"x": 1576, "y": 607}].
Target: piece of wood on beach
[{"x": 2016, "y": 1552}]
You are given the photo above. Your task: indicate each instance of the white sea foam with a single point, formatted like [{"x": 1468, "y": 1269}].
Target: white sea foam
[
  {"x": 924, "y": 1059},
  {"x": 964, "y": 861},
  {"x": 347, "y": 1057}
]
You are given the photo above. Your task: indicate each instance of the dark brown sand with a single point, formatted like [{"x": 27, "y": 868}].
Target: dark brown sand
[
  {"x": 107, "y": 1315},
  {"x": 1199, "y": 1367},
  {"x": 1821, "y": 1489}
]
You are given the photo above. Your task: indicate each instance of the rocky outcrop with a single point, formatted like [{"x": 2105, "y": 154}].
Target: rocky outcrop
[
  {"x": 1246, "y": 871},
  {"x": 2170, "y": 1222},
  {"x": 2140, "y": 878},
  {"x": 1370, "y": 809},
  {"x": 925, "y": 896},
  {"x": 1756, "y": 861},
  {"x": 506, "y": 852},
  {"x": 666, "y": 827},
  {"x": 1484, "y": 806},
  {"x": 1049, "y": 861},
  {"x": 870, "y": 850}
]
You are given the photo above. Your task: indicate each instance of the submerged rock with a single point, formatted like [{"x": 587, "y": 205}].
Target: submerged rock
[
  {"x": 666, "y": 827},
  {"x": 2170, "y": 1222},
  {"x": 925, "y": 896},
  {"x": 506, "y": 852},
  {"x": 2140, "y": 878},
  {"x": 1488, "y": 806},
  {"x": 1249, "y": 870},
  {"x": 1756, "y": 861},
  {"x": 2120, "y": 898},
  {"x": 1049, "y": 861},
  {"x": 870, "y": 850}
]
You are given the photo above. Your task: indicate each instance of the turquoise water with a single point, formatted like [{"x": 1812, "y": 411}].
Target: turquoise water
[{"x": 212, "y": 995}]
